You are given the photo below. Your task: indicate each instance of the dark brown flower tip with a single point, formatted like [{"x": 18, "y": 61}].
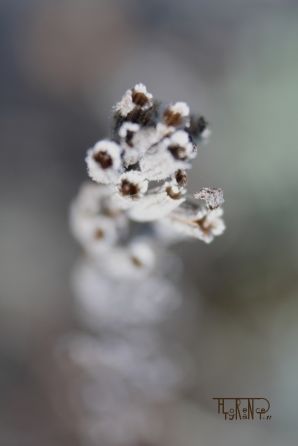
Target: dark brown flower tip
[
  {"x": 99, "y": 234},
  {"x": 117, "y": 122},
  {"x": 129, "y": 138},
  {"x": 181, "y": 177},
  {"x": 202, "y": 124},
  {"x": 128, "y": 188},
  {"x": 197, "y": 126},
  {"x": 178, "y": 152},
  {"x": 175, "y": 195},
  {"x": 139, "y": 98},
  {"x": 137, "y": 262},
  {"x": 145, "y": 118},
  {"x": 104, "y": 159},
  {"x": 172, "y": 118}
]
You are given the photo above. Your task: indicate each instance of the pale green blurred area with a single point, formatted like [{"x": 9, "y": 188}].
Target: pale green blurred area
[{"x": 63, "y": 64}]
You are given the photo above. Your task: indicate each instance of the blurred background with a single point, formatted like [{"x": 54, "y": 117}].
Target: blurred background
[{"x": 63, "y": 65}]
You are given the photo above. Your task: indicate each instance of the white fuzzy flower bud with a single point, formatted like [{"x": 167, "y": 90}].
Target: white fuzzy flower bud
[
  {"x": 134, "y": 141},
  {"x": 138, "y": 96},
  {"x": 96, "y": 233},
  {"x": 91, "y": 222},
  {"x": 127, "y": 131},
  {"x": 176, "y": 114},
  {"x": 142, "y": 173},
  {"x": 180, "y": 147},
  {"x": 204, "y": 225},
  {"x": 142, "y": 255},
  {"x": 173, "y": 190},
  {"x": 132, "y": 185},
  {"x": 104, "y": 162},
  {"x": 147, "y": 138}
]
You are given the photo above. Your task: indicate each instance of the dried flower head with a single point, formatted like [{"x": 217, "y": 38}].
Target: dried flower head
[
  {"x": 180, "y": 146},
  {"x": 135, "y": 98},
  {"x": 204, "y": 224},
  {"x": 176, "y": 114},
  {"x": 92, "y": 222},
  {"x": 154, "y": 205},
  {"x": 142, "y": 176},
  {"x": 132, "y": 184},
  {"x": 199, "y": 128},
  {"x": 104, "y": 161},
  {"x": 127, "y": 132},
  {"x": 132, "y": 152},
  {"x": 213, "y": 197}
]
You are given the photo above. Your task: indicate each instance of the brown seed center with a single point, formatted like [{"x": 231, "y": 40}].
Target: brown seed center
[
  {"x": 136, "y": 261},
  {"x": 172, "y": 118},
  {"x": 181, "y": 177},
  {"x": 178, "y": 152},
  {"x": 171, "y": 193},
  {"x": 104, "y": 159},
  {"x": 205, "y": 228},
  {"x": 99, "y": 234},
  {"x": 129, "y": 137},
  {"x": 139, "y": 98},
  {"x": 128, "y": 188}
]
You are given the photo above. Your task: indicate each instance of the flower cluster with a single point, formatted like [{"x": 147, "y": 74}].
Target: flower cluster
[{"x": 140, "y": 175}]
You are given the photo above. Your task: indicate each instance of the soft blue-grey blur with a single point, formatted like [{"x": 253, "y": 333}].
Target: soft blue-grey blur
[{"x": 63, "y": 64}]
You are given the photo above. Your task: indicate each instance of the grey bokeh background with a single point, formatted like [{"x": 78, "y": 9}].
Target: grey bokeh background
[{"x": 63, "y": 64}]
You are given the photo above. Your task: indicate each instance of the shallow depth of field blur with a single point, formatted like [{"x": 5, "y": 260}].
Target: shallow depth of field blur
[{"x": 63, "y": 65}]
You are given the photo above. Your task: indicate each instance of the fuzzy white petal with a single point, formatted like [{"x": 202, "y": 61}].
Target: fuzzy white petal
[
  {"x": 128, "y": 127},
  {"x": 205, "y": 225},
  {"x": 180, "y": 107},
  {"x": 142, "y": 139},
  {"x": 133, "y": 262},
  {"x": 142, "y": 252},
  {"x": 159, "y": 164},
  {"x": 88, "y": 200},
  {"x": 154, "y": 206},
  {"x": 95, "y": 234},
  {"x": 145, "y": 138},
  {"x": 125, "y": 106},
  {"x": 181, "y": 139},
  {"x": 141, "y": 88}
]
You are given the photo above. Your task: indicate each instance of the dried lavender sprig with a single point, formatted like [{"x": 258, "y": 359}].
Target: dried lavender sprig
[{"x": 142, "y": 176}]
